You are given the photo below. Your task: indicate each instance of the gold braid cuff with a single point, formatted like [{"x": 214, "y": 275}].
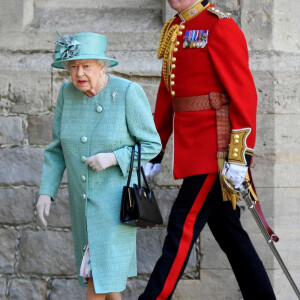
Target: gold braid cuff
[{"x": 238, "y": 146}]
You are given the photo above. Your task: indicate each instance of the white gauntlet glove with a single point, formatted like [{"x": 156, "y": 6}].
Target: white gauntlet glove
[
  {"x": 151, "y": 169},
  {"x": 43, "y": 208},
  {"x": 101, "y": 161},
  {"x": 236, "y": 174}
]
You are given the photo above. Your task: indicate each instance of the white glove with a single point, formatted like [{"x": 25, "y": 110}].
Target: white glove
[
  {"x": 43, "y": 208},
  {"x": 236, "y": 174},
  {"x": 151, "y": 169},
  {"x": 101, "y": 161}
]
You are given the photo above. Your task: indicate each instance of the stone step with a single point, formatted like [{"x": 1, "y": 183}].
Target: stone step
[
  {"x": 43, "y": 41},
  {"x": 129, "y": 25},
  {"x": 89, "y": 19},
  {"x": 96, "y": 4}
]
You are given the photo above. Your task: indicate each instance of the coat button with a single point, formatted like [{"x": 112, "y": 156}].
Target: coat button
[
  {"x": 84, "y": 139},
  {"x": 84, "y": 196},
  {"x": 99, "y": 108},
  {"x": 83, "y": 178},
  {"x": 83, "y": 159}
]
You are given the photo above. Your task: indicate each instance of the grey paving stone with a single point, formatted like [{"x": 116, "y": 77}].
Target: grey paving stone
[
  {"x": 40, "y": 130},
  {"x": 21, "y": 289},
  {"x": 25, "y": 166},
  {"x": 7, "y": 250},
  {"x": 67, "y": 289},
  {"x": 2, "y": 288},
  {"x": 11, "y": 130},
  {"x": 52, "y": 251},
  {"x": 16, "y": 206}
]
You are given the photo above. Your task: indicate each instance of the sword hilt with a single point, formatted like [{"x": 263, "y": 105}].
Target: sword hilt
[{"x": 243, "y": 188}]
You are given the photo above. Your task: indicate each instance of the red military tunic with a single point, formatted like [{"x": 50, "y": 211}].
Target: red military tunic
[{"x": 221, "y": 66}]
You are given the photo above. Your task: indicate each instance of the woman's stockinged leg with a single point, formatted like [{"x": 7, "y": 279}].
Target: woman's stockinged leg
[
  {"x": 113, "y": 296},
  {"x": 91, "y": 295}
]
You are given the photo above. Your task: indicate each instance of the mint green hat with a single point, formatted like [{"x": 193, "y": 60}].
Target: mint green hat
[{"x": 84, "y": 45}]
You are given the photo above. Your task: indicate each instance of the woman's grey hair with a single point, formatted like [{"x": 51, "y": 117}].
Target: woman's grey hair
[{"x": 102, "y": 62}]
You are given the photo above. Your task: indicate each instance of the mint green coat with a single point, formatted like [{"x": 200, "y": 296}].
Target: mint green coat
[{"x": 111, "y": 121}]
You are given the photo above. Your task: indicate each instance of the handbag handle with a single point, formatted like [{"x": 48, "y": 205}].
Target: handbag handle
[
  {"x": 139, "y": 171},
  {"x": 131, "y": 165}
]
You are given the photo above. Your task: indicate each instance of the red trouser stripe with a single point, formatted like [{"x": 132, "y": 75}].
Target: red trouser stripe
[{"x": 186, "y": 238}]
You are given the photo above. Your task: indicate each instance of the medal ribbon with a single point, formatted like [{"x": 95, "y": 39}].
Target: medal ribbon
[
  {"x": 197, "y": 35},
  {"x": 193, "y": 35},
  {"x": 190, "y": 34}
]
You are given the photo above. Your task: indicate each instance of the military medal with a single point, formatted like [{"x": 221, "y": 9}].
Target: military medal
[
  {"x": 203, "y": 39},
  {"x": 186, "y": 37},
  {"x": 192, "y": 43},
  {"x": 197, "y": 39}
]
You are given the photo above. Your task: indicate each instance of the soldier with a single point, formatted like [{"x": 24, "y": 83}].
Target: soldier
[{"x": 207, "y": 98}]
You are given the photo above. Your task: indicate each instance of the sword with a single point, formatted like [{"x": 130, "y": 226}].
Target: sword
[{"x": 270, "y": 236}]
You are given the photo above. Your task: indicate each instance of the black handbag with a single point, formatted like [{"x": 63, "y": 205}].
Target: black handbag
[{"x": 139, "y": 207}]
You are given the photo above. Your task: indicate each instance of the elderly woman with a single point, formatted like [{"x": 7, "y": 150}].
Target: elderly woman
[{"x": 98, "y": 117}]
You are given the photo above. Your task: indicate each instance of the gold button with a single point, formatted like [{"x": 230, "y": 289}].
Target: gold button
[
  {"x": 172, "y": 83},
  {"x": 173, "y": 66},
  {"x": 172, "y": 76},
  {"x": 173, "y": 93},
  {"x": 234, "y": 155},
  {"x": 177, "y": 43},
  {"x": 179, "y": 33},
  {"x": 173, "y": 59},
  {"x": 175, "y": 49},
  {"x": 181, "y": 26},
  {"x": 236, "y": 150},
  {"x": 236, "y": 136},
  {"x": 236, "y": 141}
]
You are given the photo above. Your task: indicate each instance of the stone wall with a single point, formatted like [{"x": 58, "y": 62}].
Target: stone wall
[{"x": 38, "y": 263}]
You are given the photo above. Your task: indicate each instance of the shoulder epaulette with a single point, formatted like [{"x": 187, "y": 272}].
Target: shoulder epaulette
[{"x": 220, "y": 14}]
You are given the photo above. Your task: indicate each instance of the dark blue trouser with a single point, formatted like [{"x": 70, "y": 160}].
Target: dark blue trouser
[{"x": 199, "y": 202}]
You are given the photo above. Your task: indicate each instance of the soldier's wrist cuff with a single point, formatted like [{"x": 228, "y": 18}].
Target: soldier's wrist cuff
[
  {"x": 157, "y": 159},
  {"x": 238, "y": 151}
]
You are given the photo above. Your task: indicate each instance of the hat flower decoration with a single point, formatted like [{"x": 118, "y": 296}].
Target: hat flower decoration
[
  {"x": 69, "y": 46},
  {"x": 83, "y": 45}
]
